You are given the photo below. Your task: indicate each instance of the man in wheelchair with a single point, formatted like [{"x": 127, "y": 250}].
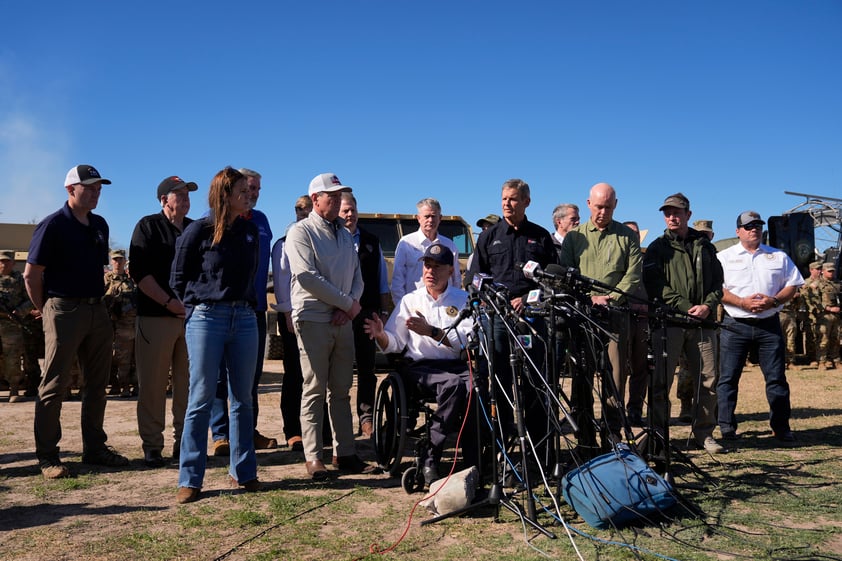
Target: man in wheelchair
[{"x": 420, "y": 325}]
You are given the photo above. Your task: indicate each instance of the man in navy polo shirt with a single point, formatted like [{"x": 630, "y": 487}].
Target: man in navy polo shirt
[{"x": 64, "y": 279}]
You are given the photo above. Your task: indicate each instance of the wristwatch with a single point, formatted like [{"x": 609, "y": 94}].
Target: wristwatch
[
  {"x": 776, "y": 302},
  {"x": 435, "y": 332}
]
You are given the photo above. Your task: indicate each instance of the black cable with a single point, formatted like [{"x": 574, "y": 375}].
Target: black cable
[{"x": 273, "y": 526}]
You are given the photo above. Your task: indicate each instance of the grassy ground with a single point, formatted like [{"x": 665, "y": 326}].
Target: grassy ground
[{"x": 760, "y": 501}]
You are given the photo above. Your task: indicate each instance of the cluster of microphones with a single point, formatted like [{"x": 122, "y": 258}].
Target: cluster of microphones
[{"x": 483, "y": 289}]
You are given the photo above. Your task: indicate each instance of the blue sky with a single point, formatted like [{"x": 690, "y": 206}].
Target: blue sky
[{"x": 731, "y": 103}]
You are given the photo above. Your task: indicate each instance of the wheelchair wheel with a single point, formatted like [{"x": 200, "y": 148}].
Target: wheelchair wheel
[
  {"x": 390, "y": 420},
  {"x": 412, "y": 481}
]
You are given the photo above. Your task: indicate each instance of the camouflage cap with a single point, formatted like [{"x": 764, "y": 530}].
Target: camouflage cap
[
  {"x": 121, "y": 253},
  {"x": 703, "y": 225},
  {"x": 7, "y": 254},
  {"x": 816, "y": 265},
  {"x": 828, "y": 267},
  {"x": 491, "y": 220}
]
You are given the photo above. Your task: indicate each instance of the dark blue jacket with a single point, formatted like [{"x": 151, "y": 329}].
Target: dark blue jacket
[{"x": 205, "y": 273}]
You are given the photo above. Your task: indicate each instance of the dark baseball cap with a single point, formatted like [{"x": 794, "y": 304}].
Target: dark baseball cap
[
  {"x": 438, "y": 253},
  {"x": 677, "y": 201},
  {"x": 174, "y": 183},
  {"x": 748, "y": 217}
]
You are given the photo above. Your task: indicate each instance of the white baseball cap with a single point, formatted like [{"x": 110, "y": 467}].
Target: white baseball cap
[{"x": 326, "y": 183}]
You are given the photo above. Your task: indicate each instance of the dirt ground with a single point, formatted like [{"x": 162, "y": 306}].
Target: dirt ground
[
  {"x": 17, "y": 455},
  {"x": 81, "y": 512},
  {"x": 28, "y": 502}
]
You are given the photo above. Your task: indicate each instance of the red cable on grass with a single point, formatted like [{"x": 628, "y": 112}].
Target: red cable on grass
[{"x": 374, "y": 548}]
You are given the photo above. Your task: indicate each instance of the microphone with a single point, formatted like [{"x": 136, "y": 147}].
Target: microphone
[
  {"x": 463, "y": 313},
  {"x": 485, "y": 283},
  {"x": 471, "y": 306},
  {"x": 557, "y": 273},
  {"x": 532, "y": 270},
  {"x": 535, "y": 297},
  {"x": 524, "y": 333},
  {"x": 480, "y": 280}
]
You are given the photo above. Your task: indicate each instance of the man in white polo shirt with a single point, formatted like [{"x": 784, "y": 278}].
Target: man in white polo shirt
[{"x": 759, "y": 280}]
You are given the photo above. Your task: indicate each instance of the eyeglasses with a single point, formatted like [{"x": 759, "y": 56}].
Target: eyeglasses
[{"x": 752, "y": 226}]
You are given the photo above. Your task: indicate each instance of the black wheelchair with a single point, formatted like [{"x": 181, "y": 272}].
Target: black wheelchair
[{"x": 397, "y": 406}]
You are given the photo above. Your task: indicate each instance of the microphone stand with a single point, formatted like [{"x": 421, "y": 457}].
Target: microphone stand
[{"x": 655, "y": 440}]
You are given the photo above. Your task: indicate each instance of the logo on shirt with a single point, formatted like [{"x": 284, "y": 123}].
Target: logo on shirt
[{"x": 452, "y": 311}]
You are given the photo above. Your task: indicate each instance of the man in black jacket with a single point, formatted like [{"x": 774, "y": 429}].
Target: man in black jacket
[{"x": 375, "y": 300}]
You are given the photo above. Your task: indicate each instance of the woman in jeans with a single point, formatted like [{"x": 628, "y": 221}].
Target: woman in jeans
[{"x": 213, "y": 274}]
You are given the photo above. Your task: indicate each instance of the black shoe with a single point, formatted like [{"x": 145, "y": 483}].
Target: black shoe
[
  {"x": 154, "y": 459},
  {"x": 105, "y": 457},
  {"x": 785, "y": 436},
  {"x": 730, "y": 435},
  {"x": 431, "y": 474},
  {"x": 635, "y": 418}
]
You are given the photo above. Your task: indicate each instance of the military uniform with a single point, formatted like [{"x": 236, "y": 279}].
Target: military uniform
[
  {"x": 827, "y": 319},
  {"x": 14, "y": 306},
  {"x": 33, "y": 350},
  {"x": 811, "y": 306},
  {"x": 121, "y": 301},
  {"x": 789, "y": 327}
]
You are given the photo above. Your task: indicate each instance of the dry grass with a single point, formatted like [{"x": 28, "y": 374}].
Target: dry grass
[{"x": 760, "y": 501}]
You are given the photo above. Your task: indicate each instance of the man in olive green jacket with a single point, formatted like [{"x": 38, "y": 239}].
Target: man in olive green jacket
[
  {"x": 681, "y": 271},
  {"x": 607, "y": 251}
]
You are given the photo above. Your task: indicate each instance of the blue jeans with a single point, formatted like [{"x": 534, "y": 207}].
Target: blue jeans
[
  {"x": 216, "y": 332},
  {"x": 736, "y": 340},
  {"x": 219, "y": 409}
]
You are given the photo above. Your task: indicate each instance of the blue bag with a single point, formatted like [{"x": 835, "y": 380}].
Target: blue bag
[{"x": 616, "y": 488}]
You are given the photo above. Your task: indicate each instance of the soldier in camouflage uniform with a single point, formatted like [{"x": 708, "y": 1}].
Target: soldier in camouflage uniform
[
  {"x": 121, "y": 301},
  {"x": 789, "y": 327},
  {"x": 14, "y": 306},
  {"x": 33, "y": 350},
  {"x": 811, "y": 303},
  {"x": 828, "y": 318}
]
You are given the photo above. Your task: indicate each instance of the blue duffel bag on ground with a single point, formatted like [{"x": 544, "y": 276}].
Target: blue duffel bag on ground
[{"x": 616, "y": 488}]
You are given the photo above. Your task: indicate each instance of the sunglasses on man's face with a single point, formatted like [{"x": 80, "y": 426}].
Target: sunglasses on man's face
[{"x": 752, "y": 226}]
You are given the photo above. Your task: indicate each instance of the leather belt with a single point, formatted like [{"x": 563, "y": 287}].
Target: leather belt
[{"x": 89, "y": 301}]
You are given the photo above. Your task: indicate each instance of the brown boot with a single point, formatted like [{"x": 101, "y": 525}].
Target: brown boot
[{"x": 264, "y": 442}]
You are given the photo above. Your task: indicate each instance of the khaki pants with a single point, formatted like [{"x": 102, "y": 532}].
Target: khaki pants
[
  {"x": 73, "y": 327},
  {"x": 160, "y": 350},
  {"x": 327, "y": 364}
]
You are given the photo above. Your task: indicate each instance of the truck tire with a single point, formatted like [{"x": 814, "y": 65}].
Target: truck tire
[{"x": 274, "y": 347}]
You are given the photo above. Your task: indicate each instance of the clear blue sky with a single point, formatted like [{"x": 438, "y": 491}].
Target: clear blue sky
[{"x": 731, "y": 103}]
